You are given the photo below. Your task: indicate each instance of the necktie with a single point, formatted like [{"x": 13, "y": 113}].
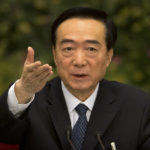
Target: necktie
[{"x": 79, "y": 129}]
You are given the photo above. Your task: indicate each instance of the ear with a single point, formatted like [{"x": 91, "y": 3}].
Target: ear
[{"x": 110, "y": 55}]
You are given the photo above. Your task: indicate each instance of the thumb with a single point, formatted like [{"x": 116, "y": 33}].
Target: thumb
[{"x": 30, "y": 56}]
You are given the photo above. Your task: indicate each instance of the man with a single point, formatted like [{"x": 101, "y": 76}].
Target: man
[{"x": 79, "y": 109}]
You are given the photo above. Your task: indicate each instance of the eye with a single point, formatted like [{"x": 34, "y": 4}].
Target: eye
[
  {"x": 91, "y": 49},
  {"x": 68, "y": 48}
]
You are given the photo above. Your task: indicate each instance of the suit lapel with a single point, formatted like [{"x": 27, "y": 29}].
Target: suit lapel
[
  {"x": 58, "y": 113},
  {"x": 104, "y": 111}
]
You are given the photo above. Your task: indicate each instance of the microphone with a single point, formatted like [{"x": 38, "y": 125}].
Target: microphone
[
  {"x": 68, "y": 132},
  {"x": 100, "y": 141},
  {"x": 113, "y": 145}
]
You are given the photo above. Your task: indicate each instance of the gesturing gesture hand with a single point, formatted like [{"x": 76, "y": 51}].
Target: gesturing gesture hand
[{"x": 33, "y": 78}]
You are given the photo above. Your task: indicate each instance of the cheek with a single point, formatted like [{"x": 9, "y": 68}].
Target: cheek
[
  {"x": 101, "y": 62},
  {"x": 100, "y": 66},
  {"x": 57, "y": 59},
  {"x": 61, "y": 64}
]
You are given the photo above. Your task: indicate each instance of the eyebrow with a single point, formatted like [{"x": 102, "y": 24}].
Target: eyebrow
[
  {"x": 86, "y": 41},
  {"x": 67, "y": 41},
  {"x": 93, "y": 42}
]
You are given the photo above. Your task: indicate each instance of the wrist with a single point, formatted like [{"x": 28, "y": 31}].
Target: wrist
[{"x": 22, "y": 95}]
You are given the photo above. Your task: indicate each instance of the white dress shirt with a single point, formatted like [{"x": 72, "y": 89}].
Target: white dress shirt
[
  {"x": 13, "y": 105},
  {"x": 71, "y": 102}
]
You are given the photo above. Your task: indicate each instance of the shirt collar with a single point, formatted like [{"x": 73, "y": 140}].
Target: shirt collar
[{"x": 72, "y": 101}]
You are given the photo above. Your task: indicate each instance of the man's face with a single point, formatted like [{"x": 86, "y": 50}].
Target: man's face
[{"x": 81, "y": 55}]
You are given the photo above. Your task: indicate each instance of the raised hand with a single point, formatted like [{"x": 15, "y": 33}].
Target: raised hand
[{"x": 33, "y": 78}]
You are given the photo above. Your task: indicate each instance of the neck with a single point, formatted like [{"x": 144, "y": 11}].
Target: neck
[{"x": 82, "y": 95}]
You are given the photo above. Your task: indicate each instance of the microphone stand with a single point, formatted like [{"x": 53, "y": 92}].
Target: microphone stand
[
  {"x": 69, "y": 140},
  {"x": 100, "y": 141}
]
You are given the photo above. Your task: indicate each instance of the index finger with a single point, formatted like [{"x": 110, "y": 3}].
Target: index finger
[{"x": 30, "y": 56}]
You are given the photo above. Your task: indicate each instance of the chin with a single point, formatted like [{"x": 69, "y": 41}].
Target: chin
[{"x": 79, "y": 86}]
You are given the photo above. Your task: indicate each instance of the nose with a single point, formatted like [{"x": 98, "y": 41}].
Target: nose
[{"x": 79, "y": 59}]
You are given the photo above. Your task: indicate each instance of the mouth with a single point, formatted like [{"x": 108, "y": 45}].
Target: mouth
[{"x": 80, "y": 76}]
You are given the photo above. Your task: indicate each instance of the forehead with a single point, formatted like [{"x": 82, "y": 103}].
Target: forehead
[{"x": 81, "y": 28}]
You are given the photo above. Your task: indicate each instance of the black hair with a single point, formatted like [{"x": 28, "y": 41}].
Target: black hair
[{"x": 83, "y": 12}]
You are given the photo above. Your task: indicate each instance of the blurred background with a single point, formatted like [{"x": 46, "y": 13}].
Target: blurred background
[{"x": 26, "y": 23}]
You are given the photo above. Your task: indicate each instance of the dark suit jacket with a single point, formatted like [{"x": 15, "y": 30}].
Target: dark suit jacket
[{"x": 121, "y": 114}]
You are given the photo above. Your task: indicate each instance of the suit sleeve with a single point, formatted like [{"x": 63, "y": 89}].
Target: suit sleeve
[
  {"x": 12, "y": 129},
  {"x": 144, "y": 137}
]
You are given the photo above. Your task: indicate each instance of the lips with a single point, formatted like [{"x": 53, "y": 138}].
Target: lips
[{"x": 80, "y": 76}]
